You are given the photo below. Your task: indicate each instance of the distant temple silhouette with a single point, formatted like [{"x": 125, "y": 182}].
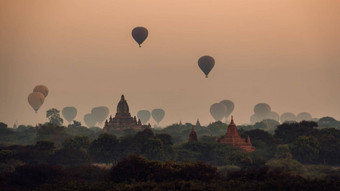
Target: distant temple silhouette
[
  {"x": 123, "y": 119},
  {"x": 192, "y": 136},
  {"x": 198, "y": 124},
  {"x": 232, "y": 137}
]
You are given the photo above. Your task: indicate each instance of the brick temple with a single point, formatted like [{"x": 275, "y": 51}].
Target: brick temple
[
  {"x": 232, "y": 137},
  {"x": 123, "y": 119},
  {"x": 192, "y": 136}
]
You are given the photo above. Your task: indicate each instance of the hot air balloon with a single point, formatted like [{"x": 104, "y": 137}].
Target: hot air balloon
[
  {"x": 262, "y": 110},
  {"x": 274, "y": 116},
  {"x": 42, "y": 89},
  {"x": 217, "y": 111},
  {"x": 206, "y": 63},
  {"x": 158, "y": 115},
  {"x": 69, "y": 113},
  {"x": 100, "y": 113},
  {"x": 140, "y": 34},
  {"x": 287, "y": 117},
  {"x": 36, "y": 99},
  {"x": 89, "y": 120},
  {"x": 144, "y": 116},
  {"x": 254, "y": 119},
  {"x": 304, "y": 116},
  {"x": 230, "y": 107}
]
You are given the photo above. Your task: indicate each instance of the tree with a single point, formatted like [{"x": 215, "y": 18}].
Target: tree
[
  {"x": 70, "y": 157},
  {"x": 50, "y": 132},
  {"x": 45, "y": 146},
  {"x": 239, "y": 158},
  {"x": 146, "y": 170},
  {"x": 75, "y": 124},
  {"x": 283, "y": 152},
  {"x": 305, "y": 149},
  {"x": 3, "y": 125},
  {"x": 329, "y": 122},
  {"x": 288, "y": 132},
  {"x": 329, "y": 139},
  {"x": 5, "y": 155},
  {"x": 287, "y": 165},
  {"x": 54, "y": 116},
  {"x": 105, "y": 148},
  {"x": 153, "y": 149},
  {"x": 77, "y": 143}
]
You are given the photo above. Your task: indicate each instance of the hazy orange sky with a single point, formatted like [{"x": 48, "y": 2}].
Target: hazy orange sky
[{"x": 284, "y": 53}]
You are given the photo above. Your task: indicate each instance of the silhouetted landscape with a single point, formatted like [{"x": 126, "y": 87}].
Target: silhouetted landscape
[{"x": 289, "y": 156}]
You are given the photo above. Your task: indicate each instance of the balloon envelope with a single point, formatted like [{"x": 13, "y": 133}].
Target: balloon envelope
[
  {"x": 144, "y": 116},
  {"x": 140, "y": 34},
  {"x": 286, "y": 117},
  {"x": 206, "y": 64},
  {"x": 304, "y": 116},
  {"x": 158, "y": 114},
  {"x": 254, "y": 119},
  {"x": 69, "y": 113},
  {"x": 262, "y": 110},
  {"x": 230, "y": 107},
  {"x": 36, "y": 99},
  {"x": 100, "y": 113},
  {"x": 274, "y": 116},
  {"x": 42, "y": 89},
  {"x": 217, "y": 111},
  {"x": 89, "y": 120}
]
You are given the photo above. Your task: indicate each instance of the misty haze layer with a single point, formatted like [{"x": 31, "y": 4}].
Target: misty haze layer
[{"x": 281, "y": 53}]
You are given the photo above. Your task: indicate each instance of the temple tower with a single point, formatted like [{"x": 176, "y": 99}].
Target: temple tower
[
  {"x": 123, "y": 119},
  {"x": 192, "y": 136},
  {"x": 232, "y": 137}
]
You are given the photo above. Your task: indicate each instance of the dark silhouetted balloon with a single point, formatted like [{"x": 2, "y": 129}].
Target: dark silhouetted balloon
[
  {"x": 100, "y": 113},
  {"x": 36, "y": 99},
  {"x": 262, "y": 110},
  {"x": 217, "y": 111},
  {"x": 274, "y": 116},
  {"x": 140, "y": 34},
  {"x": 158, "y": 114},
  {"x": 304, "y": 116},
  {"x": 89, "y": 120},
  {"x": 69, "y": 113},
  {"x": 230, "y": 107},
  {"x": 206, "y": 63},
  {"x": 42, "y": 89},
  {"x": 144, "y": 116},
  {"x": 287, "y": 117},
  {"x": 254, "y": 119}
]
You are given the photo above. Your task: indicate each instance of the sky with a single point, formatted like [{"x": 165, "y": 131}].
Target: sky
[{"x": 284, "y": 53}]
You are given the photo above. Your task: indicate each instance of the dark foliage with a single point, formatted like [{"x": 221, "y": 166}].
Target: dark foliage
[{"x": 137, "y": 168}]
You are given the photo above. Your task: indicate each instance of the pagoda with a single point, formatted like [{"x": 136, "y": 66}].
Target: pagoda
[
  {"x": 123, "y": 119},
  {"x": 192, "y": 136},
  {"x": 198, "y": 124},
  {"x": 234, "y": 139}
]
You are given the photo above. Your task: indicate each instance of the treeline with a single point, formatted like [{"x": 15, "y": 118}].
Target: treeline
[
  {"x": 137, "y": 173},
  {"x": 306, "y": 142},
  {"x": 291, "y": 145}
]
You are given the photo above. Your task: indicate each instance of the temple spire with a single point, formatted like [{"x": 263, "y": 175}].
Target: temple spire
[
  {"x": 232, "y": 121},
  {"x": 198, "y": 124}
]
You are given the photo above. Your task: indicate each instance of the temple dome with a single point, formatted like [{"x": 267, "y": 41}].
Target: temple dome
[{"x": 122, "y": 106}]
